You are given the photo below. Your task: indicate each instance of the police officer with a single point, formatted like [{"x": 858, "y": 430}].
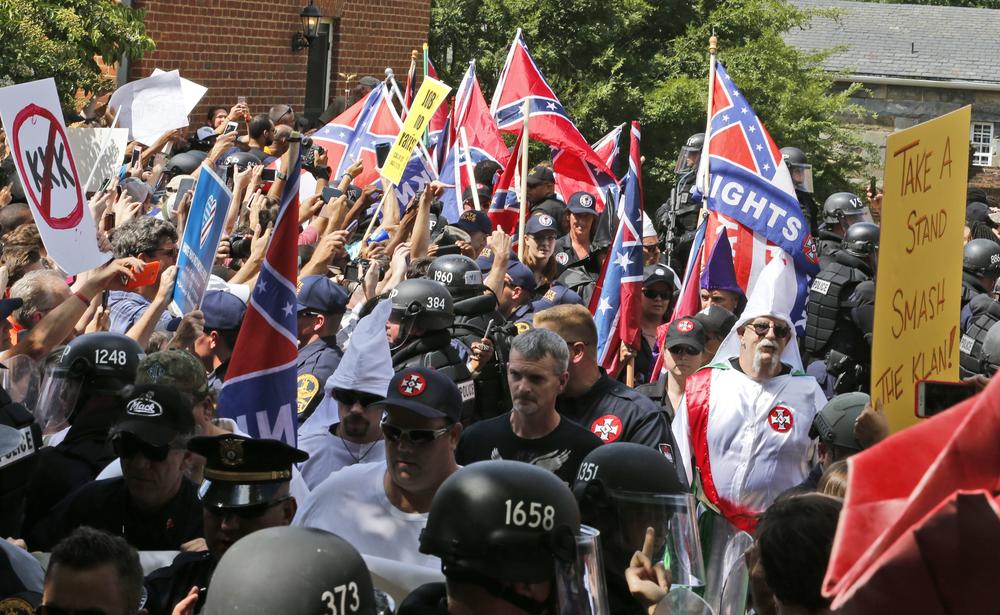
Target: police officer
[
  {"x": 224, "y": 314},
  {"x": 980, "y": 269},
  {"x": 542, "y": 196},
  {"x": 834, "y": 340},
  {"x": 79, "y": 401},
  {"x": 475, "y": 312},
  {"x": 185, "y": 163},
  {"x": 677, "y": 219},
  {"x": 833, "y": 428},
  {"x": 802, "y": 178},
  {"x": 247, "y": 490},
  {"x": 623, "y": 488},
  {"x": 519, "y": 556},
  {"x": 573, "y": 247},
  {"x": 17, "y": 462},
  {"x": 985, "y": 312},
  {"x": 297, "y": 570},
  {"x": 990, "y": 353},
  {"x": 321, "y": 305},
  {"x": 153, "y": 505},
  {"x": 840, "y": 211},
  {"x": 419, "y": 331}
]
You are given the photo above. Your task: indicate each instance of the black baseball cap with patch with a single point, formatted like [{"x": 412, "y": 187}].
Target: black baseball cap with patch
[
  {"x": 540, "y": 175},
  {"x": 426, "y": 392},
  {"x": 582, "y": 203},
  {"x": 156, "y": 414},
  {"x": 685, "y": 332},
  {"x": 241, "y": 472}
]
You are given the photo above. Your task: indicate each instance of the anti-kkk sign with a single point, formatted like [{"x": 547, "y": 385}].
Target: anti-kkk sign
[{"x": 36, "y": 136}]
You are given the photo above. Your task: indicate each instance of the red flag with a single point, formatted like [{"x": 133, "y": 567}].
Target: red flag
[
  {"x": 549, "y": 123},
  {"x": 902, "y": 517},
  {"x": 440, "y": 117},
  {"x": 504, "y": 208},
  {"x": 573, "y": 174}
]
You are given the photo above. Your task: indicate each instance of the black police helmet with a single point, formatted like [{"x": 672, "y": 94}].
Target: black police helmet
[
  {"x": 525, "y": 519},
  {"x": 981, "y": 257},
  {"x": 459, "y": 274},
  {"x": 841, "y": 204},
  {"x": 291, "y": 569},
  {"x": 105, "y": 362},
  {"x": 793, "y": 156},
  {"x": 186, "y": 163},
  {"x": 423, "y": 303},
  {"x": 861, "y": 239},
  {"x": 242, "y": 160},
  {"x": 695, "y": 142},
  {"x": 991, "y": 351}
]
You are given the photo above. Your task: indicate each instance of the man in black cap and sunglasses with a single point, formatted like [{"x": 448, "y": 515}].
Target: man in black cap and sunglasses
[
  {"x": 380, "y": 508},
  {"x": 246, "y": 489},
  {"x": 153, "y": 505}
]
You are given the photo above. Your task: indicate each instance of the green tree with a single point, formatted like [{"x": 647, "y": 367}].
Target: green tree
[
  {"x": 63, "y": 38},
  {"x": 618, "y": 60}
]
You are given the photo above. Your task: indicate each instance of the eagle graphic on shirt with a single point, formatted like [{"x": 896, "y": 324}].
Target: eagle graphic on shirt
[{"x": 549, "y": 461}]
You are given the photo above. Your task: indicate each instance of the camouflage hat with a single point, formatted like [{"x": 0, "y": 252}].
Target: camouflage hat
[{"x": 177, "y": 368}]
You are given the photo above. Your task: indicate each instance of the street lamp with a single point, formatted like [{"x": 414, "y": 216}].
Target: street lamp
[{"x": 310, "y": 17}]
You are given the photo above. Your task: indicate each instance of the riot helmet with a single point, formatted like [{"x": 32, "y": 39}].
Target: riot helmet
[
  {"x": 185, "y": 163},
  {"x": 985, "y": 313},
  {"x": 289, "y": 569},
  {"x": 981, "y": 258},
  {"x": 241, "y": 160},
  {"x": 690, "y": 154},
  {"x": 459, "y": 274},
  {"x": 990, "y": 360},
  {"x": 421, "y": 303},
  {"x": 845, "y": 208},
  {"x": 799, "y": 168},
  {"x": 92, "y": 364},
  {"x": 623, "y": 488},
  {"x": 527, "y": 530},
  {"x": 861, "y": 239}
]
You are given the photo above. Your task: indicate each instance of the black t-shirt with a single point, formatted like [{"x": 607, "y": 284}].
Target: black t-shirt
[{"x": 560, "y": 452}]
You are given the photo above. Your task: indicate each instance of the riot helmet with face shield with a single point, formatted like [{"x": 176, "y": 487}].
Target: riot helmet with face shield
[
  {"x": 799, "y": 168},
  {"x": 624, "y": 488},
  {"x": 690, "y": 153},
  {"x": 526, "y": 531},
  {"x": 91, "y": 365},
  {"x": 845, "y": 208},
  {"x": 422, "y": 304}
]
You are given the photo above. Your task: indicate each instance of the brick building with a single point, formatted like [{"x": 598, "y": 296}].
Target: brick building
[{"x": 244, "y": 48}]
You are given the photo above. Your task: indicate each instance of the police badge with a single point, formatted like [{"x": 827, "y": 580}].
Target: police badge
[{"x": 231, "y": 452}]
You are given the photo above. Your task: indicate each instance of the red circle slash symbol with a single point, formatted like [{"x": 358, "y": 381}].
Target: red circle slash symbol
[{"x": 40, "y": 159}]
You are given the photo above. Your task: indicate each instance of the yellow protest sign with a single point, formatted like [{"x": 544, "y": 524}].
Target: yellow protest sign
[
  {"x": 918, "y": 284},
  {"x": 429, "y": 97}
]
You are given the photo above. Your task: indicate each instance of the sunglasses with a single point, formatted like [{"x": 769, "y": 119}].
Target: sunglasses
[
  {"x": 761, "y": 328},
  {"x": 414, "y": 436},
  {"x": 649, "y": 293},
  {"x": 349, "y": 398},
  {"x": 126, "y": 447},
  {"x": 683, "y": 349},
  {"x": 247, "y": 512}
]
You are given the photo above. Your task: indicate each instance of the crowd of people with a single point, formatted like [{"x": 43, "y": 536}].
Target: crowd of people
[{"x": 453, "y": 416}]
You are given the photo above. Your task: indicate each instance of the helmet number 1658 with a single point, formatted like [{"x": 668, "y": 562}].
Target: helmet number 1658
[{"x": 531, "y": 514}]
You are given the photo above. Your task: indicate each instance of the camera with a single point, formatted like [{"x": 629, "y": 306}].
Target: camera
[{"x": 239, "y": 246}]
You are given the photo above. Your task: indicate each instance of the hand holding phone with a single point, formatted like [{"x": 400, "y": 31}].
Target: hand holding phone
[
  {"x": 230, "y": 127},
  {"x": 353, "y": 226},
  {"x": 146, "y": 277}
]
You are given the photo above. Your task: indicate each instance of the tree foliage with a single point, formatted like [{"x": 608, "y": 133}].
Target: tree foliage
[
  {"x": 612, "y": 61},
  {"x": 63, "y": 38}
]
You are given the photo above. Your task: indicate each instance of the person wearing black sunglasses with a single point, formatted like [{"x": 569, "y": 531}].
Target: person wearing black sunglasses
[
  {"x": 659, "y": 289},
  {"x": 744, "y": 421},
  {"x": 153, "y": 505},
  {"x": 683, "y": 347},
  {"x": 246, "y": 490},
  {"x": 381, "y": 508}
]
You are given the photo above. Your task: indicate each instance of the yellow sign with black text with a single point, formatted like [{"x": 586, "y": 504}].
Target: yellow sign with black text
[
  {"x": 430, "y": 96},
  {"x": 919, "y": 278}
]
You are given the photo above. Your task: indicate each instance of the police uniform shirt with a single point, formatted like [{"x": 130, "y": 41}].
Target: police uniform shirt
[
  {"x": 559, "y": 451},
  {"x": 218, "y": 376},
  {"x": 316, "y": 363},
  {"x": 614, "y": 412},
  {"x": 105, "y": 505},
  {"x": 169, "y": 585}
]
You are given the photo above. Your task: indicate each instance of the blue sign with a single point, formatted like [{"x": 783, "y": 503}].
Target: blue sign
[{"x": 200, "y": 241}]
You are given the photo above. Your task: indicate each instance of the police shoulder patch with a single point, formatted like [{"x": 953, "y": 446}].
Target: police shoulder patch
[
  {"x": 307, "y": 387},
  {"x": 522, "y": 327},
  {"x": 15, "y": 606}
]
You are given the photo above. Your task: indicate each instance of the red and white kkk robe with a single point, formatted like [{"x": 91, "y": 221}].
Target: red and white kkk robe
[{"x": 749, "y": 440}]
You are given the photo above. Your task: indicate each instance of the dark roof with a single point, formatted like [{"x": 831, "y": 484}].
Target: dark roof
[{"x": 904, "y": 40}]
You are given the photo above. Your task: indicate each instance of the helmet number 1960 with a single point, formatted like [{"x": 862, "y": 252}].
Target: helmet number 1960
[
  {"x": 339, "y": 594},
  {"x": 531, "y": 514}
]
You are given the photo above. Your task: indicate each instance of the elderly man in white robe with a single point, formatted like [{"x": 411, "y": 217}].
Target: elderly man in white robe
[{"x": 743, "y": 427}]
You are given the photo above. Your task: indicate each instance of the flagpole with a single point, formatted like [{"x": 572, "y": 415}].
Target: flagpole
[
  {"x": 427, "y": 138},
  {"x": 471, "y": 170},
  {"x": 713, "y": 47},
  {"x": 522, "y": 213}
]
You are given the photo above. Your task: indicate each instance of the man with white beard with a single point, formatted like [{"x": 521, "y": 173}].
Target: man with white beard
[{"x": 744, "y": 423}]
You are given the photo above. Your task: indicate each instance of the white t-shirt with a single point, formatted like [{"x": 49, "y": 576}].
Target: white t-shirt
[
  {"x": 352, "y": 504},
  {"x": 329, "y": 453}
]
